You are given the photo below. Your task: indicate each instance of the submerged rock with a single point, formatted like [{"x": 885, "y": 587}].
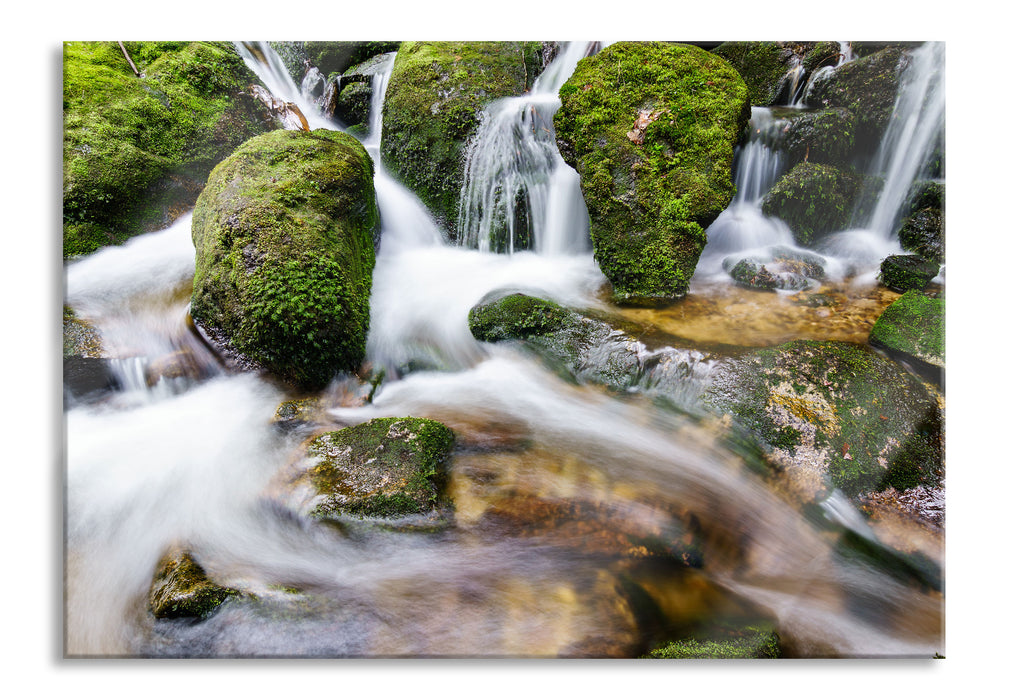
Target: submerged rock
[
  {"x": 651, "y": 127},
  {"x": 903, "y": 272},
  {"x": 433, "y": 102},
  {"x": 913, "y": 328},
  {"x": 387, "y": 467},
  {"x": 285, "y": 245},
  {"x": 137, "y": 148},
  {"x": 782, "y": 268},
  {"x": 181, "y": 588},
  {"x": 835, "y": 413}
]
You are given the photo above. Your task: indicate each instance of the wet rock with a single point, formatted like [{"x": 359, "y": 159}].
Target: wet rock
[
  {"x": 903, "y": 272},
  {"x": 815, "y": 199},
  {"x": 923, "y": 230},
  {"x": 181, "y": 588},
  {"x": 353, "y": 106},
  {"x": 765, "y": 66},
  {"x": 80, "y": 338},
  {"x": 387, "y": 467},
  {"x": 913, "y": 328},
  {"x": 781, "y": 268},
  {"x": 284, "y": 235},
  {"x": 88, "y": 378},
  {"x": 835, "y": 414},
  {"x": 300, "y": 413},
  {"x": 650, "y": 196}
]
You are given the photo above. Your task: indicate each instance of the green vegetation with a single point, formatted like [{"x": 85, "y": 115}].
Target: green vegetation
[
  {"x": 904, "y": 272},
  {"x": 516, "y": 316},
  {"x": 651, "y": 127},
  {"x": 137, "y": 149},
  {"x": 433, "y": 102},
  {"x": 387, "y": 467},
  {"x": 284, "y": 236},
  {"x": 761, "y": 64}
]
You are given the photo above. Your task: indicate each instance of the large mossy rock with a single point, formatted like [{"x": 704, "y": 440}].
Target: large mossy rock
[
  {"x": 866, "y": 87},
  {"x": 432, "y": 106},
  {"x": 651, "y": 127},
  {"x": 181, "y": 588},
  {"x": 836, "y": 414},
  {"x": 137, "y": 149},
  {"x": 822, "y": 136},
  {"x": 903, "y": 272},
  {"x": 285, "y": 246},
  {"x": 913, "y": 328},
  {"x": 816, "y": 199},
  {"x": 385, "y": 468}
]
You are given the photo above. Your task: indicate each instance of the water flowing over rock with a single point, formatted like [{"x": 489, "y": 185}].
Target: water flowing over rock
[
  {"x": 648, "y": 203},
  {"x": 284, "y": 239}
]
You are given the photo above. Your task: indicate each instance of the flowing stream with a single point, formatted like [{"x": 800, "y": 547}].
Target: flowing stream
[{"x": 197, "y": 461}]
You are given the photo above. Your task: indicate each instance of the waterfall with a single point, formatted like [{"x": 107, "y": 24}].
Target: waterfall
[
  {"x": 919, "y": 116},
  {"x": 742, "y": 226},
  {"x": 518, "y": 193}
]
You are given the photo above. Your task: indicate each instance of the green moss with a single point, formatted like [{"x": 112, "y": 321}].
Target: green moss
[
  {"x": 824, "y": 136},
  {"x": 904, "y": 272},
  {"x": 651, "y": 190},
  {"x": 387, "y": 467},
  {"x": 754, "y": 642},
  {"x": 284, "y": 253},
  {"x": 913, "y": 326},
  {"x": 433, "y": 101},
  {"x": 516, "y": 316},
  {"x": 824, "y": 53},
  {"x": 181, "y": 589},
  {"x": 137, "y": 150}
]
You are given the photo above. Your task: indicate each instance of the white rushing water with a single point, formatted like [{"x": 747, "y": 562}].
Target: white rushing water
[{"x": 204, "y": 467}]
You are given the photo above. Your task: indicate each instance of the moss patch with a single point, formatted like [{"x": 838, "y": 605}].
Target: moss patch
[
  {"x": 181, "y": 589},
  {"x": 651, "y": 127},
  {"x": 284, "y": 236},
  {"x": 913, "y": 326},
  {"x": 137, "y": 150},
  {"x": 754, "y": 642}
]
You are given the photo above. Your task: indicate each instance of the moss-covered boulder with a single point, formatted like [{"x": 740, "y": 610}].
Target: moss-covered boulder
[
  {"x": 651, "y": 127},
  {"x": 285, "y": 246},
  {"x": 904, "y": 272},
  {"x": 432, "y": 106},
  {"x": 385, "y": 468},
  {"x": 866, "y": 87},
  {"x": 815, "y": 199},
  {"x": 137, "y": 149},
  {"x": 822, "y": 136},
  {"x": 923, "y": 230},
  {"x": 576, "y": 346},
  {"x": 835, "y": 413},
  {"x": 913, "y": 328},
  {"x": 181, "y": 588}
]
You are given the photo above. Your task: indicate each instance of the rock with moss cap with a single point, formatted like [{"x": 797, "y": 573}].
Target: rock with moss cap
[
  {"x": 433, "y": 102},
  {"x": 816, "y": 199},
  {"x": 651, "y": 127},
  {"x": 923, "y": 230},
  {"x": 384, "y": 468},
  {"x": 903, "y": 272},
  {"x": 285, "y": 246},
  {"x": 750, "y": 642},
  {"x": 835, "y": 414},
  {"x": 181, "y": 588},
  {"x": 913, "y": 328},
  {"x": 137, "y": 149}
]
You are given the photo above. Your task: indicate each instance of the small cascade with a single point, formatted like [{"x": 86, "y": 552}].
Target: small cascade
[
  {"x": 843, "y": 56},
  {"x": 518, "y": 193},
  {"x": 742, "y": 226}
]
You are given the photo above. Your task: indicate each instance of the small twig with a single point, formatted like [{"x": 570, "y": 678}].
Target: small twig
[{"x": 128, "y": 58}]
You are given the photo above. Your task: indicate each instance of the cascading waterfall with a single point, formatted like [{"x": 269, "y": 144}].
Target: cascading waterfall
[
  {"x": 135, "y": 485},
  {"x": 518, "y": 193}
]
